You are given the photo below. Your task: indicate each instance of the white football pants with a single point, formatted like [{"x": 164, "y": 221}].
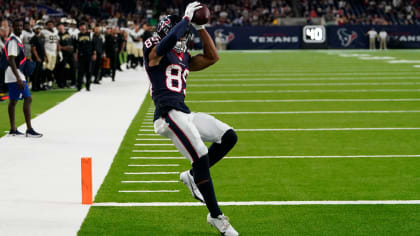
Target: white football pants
[{"x": 188, "y": 132}]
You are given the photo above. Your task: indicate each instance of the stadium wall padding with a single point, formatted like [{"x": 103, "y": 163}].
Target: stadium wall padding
[{"x": 290, "y": 37}]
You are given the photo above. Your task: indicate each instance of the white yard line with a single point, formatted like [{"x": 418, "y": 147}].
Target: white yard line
[
  {"x": 149, "y": 130},
  {"x": 287, "y": 157},
  {"x": 309, "y": 100},
  {"x": 261, "y": 203},
  {"x": 148, "y": 134},
  {"x": 153, "y": 165},
  {"x": 309, "y": 73},
  {"x": 151, "y": 173},
  {"x": 152, "y": 139},
  {"x": 303, "y": 84},
  {"x": 157, "y": 158},
  {"x": 153, "y": 144},
  {"x": 155, "y": 150},
  {"x": 49, "y": 168},
  {"x": 148, "y": 181},
  {"x": 148, "y": 191},
  {"x": 306, "y": 91},
  {"x": 305, "y": 112},
  {"x": 307, "y": 79},
  {"x": 325, "y": 129},
  {"x": 333, "y": 156}
]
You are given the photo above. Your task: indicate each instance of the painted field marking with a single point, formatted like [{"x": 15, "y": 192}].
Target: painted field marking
[
  {"x": 323, "y": 129},
  {"x": 306, "y": 112},
  {"x": 311, "y": 73},
  {"x": 306, "y": 79},
  {"x": 147, "y": 126},
  {"x": 303, "y": 84},
  {"x": 148, "y": 191},
  {"x": 154, "y": 165},
  {"x": 287, "y": 157},
  {"x": 262, "y": 203},
  {"x": 149, "y": 181},
  {"x": 157, "y": 158},
  {"x": 416, "y": 66},
  {"x": 309, "y": 100},
  {"x": 375, "y": 58},
  {"x": 333, "y": 156},
  {"x": 146, "y": 130},
  {"x": 404, "y": 61},
  {"x": 153, "y": 144},
  {"x": 148, "y": 134},
  {"x": 307, "y": 91},
  {"x": 155, "y": 150},
  {"x": 152, "y": 139},
  {"x": 151, "y": 173}
]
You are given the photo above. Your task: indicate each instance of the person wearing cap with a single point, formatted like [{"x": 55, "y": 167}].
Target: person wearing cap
[
  {"x": 84, "y": 55},
  {"x": 66, "y": 69}
]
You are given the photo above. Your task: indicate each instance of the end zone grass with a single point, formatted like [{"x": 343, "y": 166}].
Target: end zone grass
[{"x": 286, "y": 75}]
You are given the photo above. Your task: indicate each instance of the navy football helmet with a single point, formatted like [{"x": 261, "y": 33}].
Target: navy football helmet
[{"x": 166, "y": 24}]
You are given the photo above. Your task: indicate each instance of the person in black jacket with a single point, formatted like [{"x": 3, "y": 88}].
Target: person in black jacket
[
  {"x": 84, "y": 54},
  {"x": 98, "y": 45},
  {"x": 112, "y": 49},
  {"x": 38, "y": 55},
  {"x": 66, "y": 70}
]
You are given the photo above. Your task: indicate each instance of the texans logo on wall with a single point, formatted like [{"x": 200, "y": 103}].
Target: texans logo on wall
[{"x": 346, "y": 37}]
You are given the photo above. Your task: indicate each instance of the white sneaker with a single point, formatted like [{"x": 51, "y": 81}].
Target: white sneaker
[
  {"x": 222, "y": 224},
  {"x": 188, "y": 180}
]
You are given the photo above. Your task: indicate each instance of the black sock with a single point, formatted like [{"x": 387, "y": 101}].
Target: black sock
[
  {"x": 205, "y": 185},
  {"x": 218, "y": 151}
]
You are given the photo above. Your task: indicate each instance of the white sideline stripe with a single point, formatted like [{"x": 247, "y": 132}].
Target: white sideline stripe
[
  {"x": 151, "y": 173},
  {"x": 309, "y": 100},
  {"x": 157, "y": 158},
  {"x": 282, "y": 72},
  {"x": 155, "y": 150},
  {"x": 148, "y": 134},
  {"x": 308, "y": 91},
  {"x": 303, "y": 84},
  {"x": 307, "y": 112},
  {"x": 283, "y": 157},
  {"x": 260, "y": 203},
  {"x": 323, "y": 129},
  {"x": 308, "y": 79},
  {"x": 302, "y": 157},
  {"x": 152, "y": 139},
  {"x": 148, "y": 191},
  {"x": 155, "y": 165},
  {"x": 149, "y": 181},
  {"x": 153, "y": 144}
]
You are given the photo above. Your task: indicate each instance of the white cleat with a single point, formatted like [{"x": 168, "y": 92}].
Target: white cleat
[
  {"x": 222, "y": 224},
  {"x": 188, "y": 180}
]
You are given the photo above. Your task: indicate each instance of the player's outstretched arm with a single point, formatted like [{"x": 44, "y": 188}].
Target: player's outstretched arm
[{"x": 209, "y": 55}]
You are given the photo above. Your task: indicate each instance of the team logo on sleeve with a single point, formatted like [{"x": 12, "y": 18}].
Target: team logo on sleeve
[{"x": 345, "y": 37}]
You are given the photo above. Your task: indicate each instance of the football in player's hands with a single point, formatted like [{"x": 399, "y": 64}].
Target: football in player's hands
[{"x": 201, "y": 16}]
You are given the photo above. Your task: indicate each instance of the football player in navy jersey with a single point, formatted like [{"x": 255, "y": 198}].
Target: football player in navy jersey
[{"x": 168, "y": 64}]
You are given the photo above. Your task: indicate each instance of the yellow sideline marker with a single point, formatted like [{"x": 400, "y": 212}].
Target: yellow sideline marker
[{"x": 87, "y": 180}]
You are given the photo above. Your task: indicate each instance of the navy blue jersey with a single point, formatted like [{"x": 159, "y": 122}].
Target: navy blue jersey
[{"x": 168, "y": 79}]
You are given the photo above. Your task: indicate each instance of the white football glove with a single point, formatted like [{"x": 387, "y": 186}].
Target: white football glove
[
  {"x": 191, "y": 8},
  {"x": 198, "y": 27}
]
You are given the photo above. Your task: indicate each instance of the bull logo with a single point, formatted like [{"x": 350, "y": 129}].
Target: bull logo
[
  {"x": 345, "y": 37},
  {"x": 227, "y": 38}
]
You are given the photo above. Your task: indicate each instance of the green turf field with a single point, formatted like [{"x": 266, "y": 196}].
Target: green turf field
[
  {"x": 42, "y": 101},
  {"x": 312, "y": 126}
]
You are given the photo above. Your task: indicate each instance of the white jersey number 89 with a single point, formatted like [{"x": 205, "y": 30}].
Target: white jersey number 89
[{"x": 174, "y": 81}]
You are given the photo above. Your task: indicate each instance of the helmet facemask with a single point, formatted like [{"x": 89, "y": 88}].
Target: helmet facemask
[{"x": 182, "y": 44}]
